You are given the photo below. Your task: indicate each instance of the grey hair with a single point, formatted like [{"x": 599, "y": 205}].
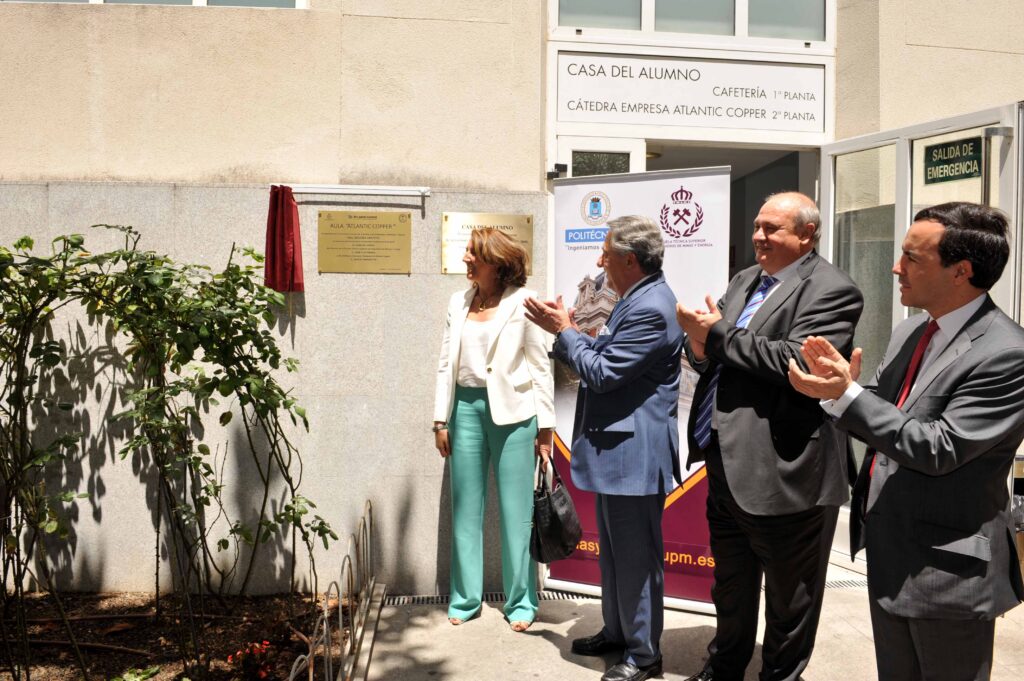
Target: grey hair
[
  {"x": 640, "y": 236},
  {"x": 807, "y": 212}
]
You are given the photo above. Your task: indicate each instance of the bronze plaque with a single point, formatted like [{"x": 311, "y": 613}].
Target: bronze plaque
[
  {"x": 455, "y": 229},
  {"x": 364, "y": 242}
]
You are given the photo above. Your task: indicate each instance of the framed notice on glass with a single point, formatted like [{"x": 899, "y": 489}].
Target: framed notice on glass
[
  {"x": 455, "y": 229},
  {"x": 364, "y": 242}
]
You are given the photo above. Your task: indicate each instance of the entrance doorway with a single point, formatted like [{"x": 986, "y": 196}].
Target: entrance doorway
[{"x": 756, "y": 173}]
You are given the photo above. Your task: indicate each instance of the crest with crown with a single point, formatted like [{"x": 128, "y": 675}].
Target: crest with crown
[{"x": 683, "y": 216}]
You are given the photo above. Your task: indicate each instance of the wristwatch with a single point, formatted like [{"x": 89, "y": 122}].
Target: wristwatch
[{"x": 438, "y": 427}]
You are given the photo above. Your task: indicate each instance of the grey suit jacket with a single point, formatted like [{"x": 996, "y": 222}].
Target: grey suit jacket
[
  {"x": 937, "y": 527},
  {"x": 779, "y": 452}
]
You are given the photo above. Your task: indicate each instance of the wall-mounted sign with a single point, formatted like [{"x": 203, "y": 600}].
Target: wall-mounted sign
[
  {"x": 695, "y": 93},
  {"x": 364, "y": 242},
  {"x": 455, "y": 229},
  {"x": 949, "y": 161}
]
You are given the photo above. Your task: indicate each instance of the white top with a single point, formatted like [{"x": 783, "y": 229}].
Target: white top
[
  {"x": 950, "y": 325},
  {"x": 476, "y": 340}
]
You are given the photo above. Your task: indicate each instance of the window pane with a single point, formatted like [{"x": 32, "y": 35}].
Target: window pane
[
  {"x": 251, "y": 3},
  {"x": 695, "y": 16},
  {"x": 797, "y": 19},
  {"x": 864, "y": 229},
  {"x": 599, "y": 13},
  {"x": 599, "y": 163}
]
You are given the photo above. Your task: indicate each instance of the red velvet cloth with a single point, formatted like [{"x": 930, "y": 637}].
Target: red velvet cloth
[{"x": 282, "y": 270}]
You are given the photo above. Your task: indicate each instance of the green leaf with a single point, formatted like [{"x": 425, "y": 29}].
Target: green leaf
[
  {"x": 225, "y": 418},
  {"x": 50, "y": 527}
]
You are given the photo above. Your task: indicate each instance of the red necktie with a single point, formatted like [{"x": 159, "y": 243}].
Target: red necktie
[{"x": 911, "y": 375}]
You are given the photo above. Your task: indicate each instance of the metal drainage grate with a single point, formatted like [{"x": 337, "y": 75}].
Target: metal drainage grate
[
  {"x": 847, "y": 584},
  {"x": 555, "y": 595},
  {"x": 489, "y": 597},
  {"x": 860, "y": 583}
]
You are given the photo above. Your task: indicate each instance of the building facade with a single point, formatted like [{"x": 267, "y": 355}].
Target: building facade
[{"x": 176, "y": 119}]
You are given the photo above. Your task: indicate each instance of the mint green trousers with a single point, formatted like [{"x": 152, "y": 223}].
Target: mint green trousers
[{"x": 477, "y": 444}]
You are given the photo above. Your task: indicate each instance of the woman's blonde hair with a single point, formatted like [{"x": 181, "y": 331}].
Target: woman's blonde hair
[{"x": 499, "y": 250}]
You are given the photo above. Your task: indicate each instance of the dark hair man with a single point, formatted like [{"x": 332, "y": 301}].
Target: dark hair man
[{"x": 943, "y": 417}]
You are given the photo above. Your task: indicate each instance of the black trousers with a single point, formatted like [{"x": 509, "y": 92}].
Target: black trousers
[{"x": 791, "y": 553}]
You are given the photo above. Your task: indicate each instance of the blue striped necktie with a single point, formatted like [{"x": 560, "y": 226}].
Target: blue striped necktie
[{"x": 702, "y": 427}]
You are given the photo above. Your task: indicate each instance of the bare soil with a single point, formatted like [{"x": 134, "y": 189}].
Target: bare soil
[{"x": 130, "y": 636}]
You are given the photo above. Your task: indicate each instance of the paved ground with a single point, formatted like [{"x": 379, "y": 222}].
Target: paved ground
[{"x": 416, "y": 643}]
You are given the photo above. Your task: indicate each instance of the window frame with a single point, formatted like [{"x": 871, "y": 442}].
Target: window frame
[{"x": 741, "y": 40}]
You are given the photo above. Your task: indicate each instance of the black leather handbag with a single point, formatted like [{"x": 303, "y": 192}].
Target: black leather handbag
[{"x": 556, "y": 527}]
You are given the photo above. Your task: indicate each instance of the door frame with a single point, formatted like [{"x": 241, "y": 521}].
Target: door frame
[
  {"x": 999, "y": 121},
  {"x": 636, "y": 148}
]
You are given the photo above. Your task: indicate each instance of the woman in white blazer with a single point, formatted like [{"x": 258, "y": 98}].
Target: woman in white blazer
[{"x": 493, "y": 407}]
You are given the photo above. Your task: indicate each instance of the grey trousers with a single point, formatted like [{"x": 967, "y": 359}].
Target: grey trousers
[{"x": 911, "y": 649}]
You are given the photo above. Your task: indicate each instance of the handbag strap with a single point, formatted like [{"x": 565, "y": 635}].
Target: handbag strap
[{"x": 556, "y": 479}]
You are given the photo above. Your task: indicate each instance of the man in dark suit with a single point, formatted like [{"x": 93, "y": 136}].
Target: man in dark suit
[
  {"x": 943, "y": 417},
  {"x": 625, "y": 441},
  {"x": 776, "y": 467}
]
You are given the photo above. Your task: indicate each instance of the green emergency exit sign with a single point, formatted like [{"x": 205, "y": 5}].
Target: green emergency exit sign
[{"x": 951, "y": 161}]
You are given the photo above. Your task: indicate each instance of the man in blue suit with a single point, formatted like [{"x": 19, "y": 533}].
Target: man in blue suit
[{"x": 626, "y": 438}]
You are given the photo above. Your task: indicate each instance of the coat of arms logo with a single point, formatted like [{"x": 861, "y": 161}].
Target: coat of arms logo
[
  {"x": 683, "y": 216},
  {"x": 595, "y": 208}
]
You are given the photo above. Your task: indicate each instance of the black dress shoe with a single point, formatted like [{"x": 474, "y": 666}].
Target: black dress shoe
[
  {"x": 595, "y": 645},
  {"x": 624, "y": 671},
  {"x": 703, "y": 675}
]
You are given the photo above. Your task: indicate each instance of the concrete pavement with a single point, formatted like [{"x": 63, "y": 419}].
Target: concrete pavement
[{"x": 416, "y": 643}]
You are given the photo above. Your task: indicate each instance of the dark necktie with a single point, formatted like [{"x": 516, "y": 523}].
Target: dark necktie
[
  {"x": 911, "y": 375},
  {"x": 702, "y": 426}
]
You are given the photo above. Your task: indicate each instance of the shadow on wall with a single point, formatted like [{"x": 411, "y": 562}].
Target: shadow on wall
[
  {"x": 288, "y": 316},
  {"x": 82, "y": 397},
  {"x": 65, "y": 392}
]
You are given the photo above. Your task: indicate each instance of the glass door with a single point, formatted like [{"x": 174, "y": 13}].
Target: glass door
[{"x": 872, "y": 186}]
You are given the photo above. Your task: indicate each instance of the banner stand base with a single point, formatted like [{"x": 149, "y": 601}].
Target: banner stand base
[{"x": 683, "y": 604}]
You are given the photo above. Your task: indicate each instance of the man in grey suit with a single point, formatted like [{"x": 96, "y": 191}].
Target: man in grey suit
[
  {"x": 943, "y": 416},
  {"x": 776, "y": 466},
  {"x": 625, "y": 441}
]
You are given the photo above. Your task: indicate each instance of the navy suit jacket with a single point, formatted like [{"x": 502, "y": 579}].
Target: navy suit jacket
[{"x": 626, "y": 431}]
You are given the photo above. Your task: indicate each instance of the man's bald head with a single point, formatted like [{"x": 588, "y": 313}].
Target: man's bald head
[
  {"x": 805, "y": 210},
  {"x": 786, "y": 229}
]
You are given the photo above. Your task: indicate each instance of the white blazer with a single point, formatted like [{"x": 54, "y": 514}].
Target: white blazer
[{"x": 519, "y": 382}]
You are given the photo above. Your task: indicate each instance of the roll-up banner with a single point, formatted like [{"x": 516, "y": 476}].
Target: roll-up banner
[{"x": 692, "y": 208}]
